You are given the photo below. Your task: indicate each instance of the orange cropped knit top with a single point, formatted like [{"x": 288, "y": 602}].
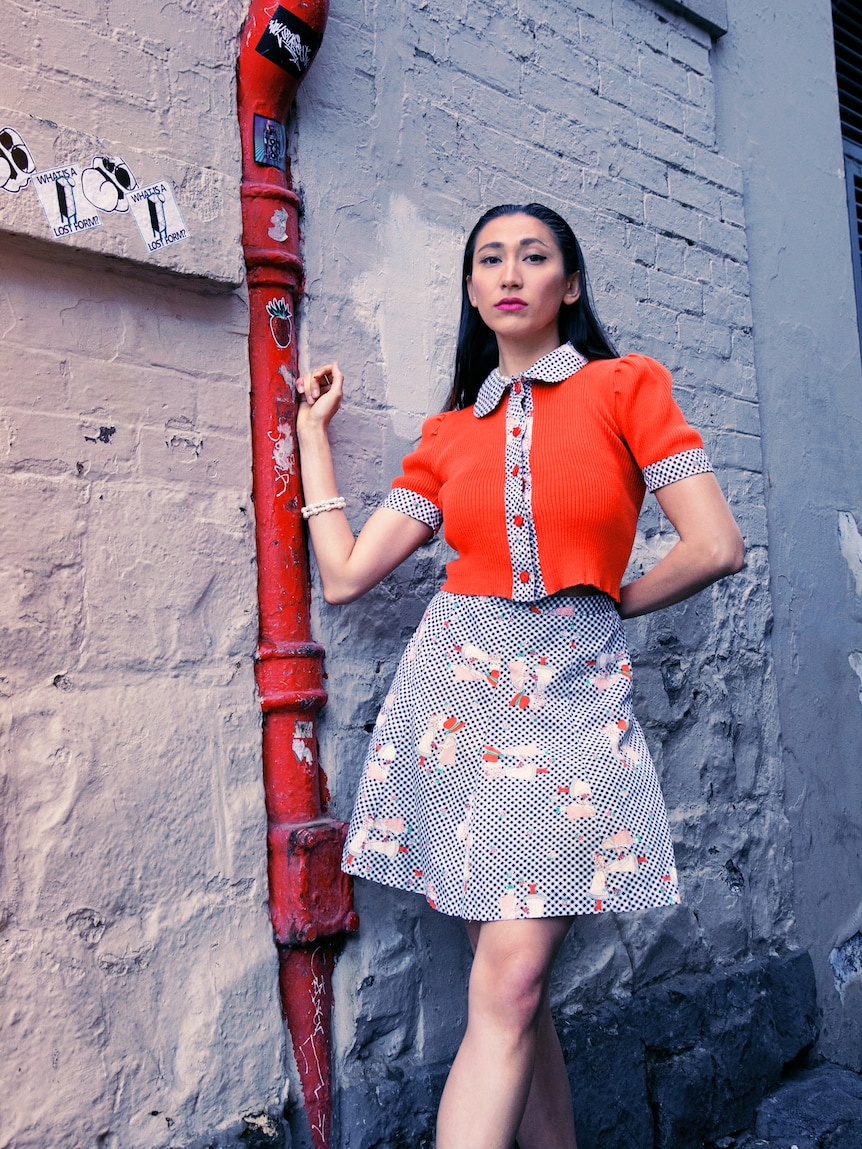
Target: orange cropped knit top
[{"x": 541, "y": 490}]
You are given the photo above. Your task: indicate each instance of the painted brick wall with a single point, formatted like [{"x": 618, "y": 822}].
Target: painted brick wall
[
  {"x": 414, "y": 119},
  {"x": 137, "y": 971}
]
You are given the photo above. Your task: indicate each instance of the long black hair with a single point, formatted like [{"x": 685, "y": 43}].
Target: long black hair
[{"x": 476, "y": 353}]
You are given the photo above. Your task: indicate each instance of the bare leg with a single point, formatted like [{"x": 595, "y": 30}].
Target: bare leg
[
  {"x": 548, "y": 1121},
  {"x": 489, "y": 1084}
]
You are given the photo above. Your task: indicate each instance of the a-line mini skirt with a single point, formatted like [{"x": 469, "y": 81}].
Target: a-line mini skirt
[{"x": 506, "y": 776}]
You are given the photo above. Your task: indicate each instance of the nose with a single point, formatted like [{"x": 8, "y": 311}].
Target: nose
[{"x": 511, "y": 271}]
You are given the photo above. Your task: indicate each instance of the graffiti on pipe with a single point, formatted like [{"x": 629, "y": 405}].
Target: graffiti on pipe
[
  {"x": 280, "y": 321},
  {"x": 283, "y": 456},
  {"x": 289, "y": 42},
  {"x": 314, "y": 1047}
]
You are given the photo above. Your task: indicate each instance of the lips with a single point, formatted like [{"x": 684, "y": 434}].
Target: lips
[{"x": 510, "y": 304}]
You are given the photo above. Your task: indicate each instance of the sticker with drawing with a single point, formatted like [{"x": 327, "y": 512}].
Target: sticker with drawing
[
  {"x": 157, "y": 216},
  {"x": 66, "y": 207},
  {"x": 107, "y": 183},
  {"x": 280, "y": 321},
  {"x": 16, "y": 162},
  {"x": 289, "y": 42}
]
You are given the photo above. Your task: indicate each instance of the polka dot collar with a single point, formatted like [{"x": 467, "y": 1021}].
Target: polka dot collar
[{"x": 551, "y": 368}]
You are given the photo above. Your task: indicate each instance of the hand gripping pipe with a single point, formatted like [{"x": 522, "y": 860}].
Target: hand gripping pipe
[{"x": 310, "y": 899}]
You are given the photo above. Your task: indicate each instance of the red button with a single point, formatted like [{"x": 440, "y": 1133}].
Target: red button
[
  {"x": 518, "y": 520},
  {"x": 515, "y": 469},
  {"x": 524, "y": 576},
  {"x": 517, "y": 388},
  {"x": 516, "y": 431}
]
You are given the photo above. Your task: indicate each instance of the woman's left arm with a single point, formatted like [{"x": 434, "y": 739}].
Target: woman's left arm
[{"x": 709, "y": 547}]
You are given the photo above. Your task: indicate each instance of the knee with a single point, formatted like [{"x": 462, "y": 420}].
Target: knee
[{"x": 509, "y": 993}]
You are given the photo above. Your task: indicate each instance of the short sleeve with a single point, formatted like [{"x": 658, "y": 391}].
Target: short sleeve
[
  {"x": 663, "y": 444},
  {"x": 416, "y": 491}
]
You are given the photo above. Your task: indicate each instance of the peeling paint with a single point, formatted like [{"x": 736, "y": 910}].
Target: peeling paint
[
  {"x": 302, "y": 751},
  {"x": 278, "y": 225},
  {"x": 846, "y": 963},
  {"x": 855, "y": 660},
  {"x": 850, "y": 542},
  {"x": 283, "y": 456}
]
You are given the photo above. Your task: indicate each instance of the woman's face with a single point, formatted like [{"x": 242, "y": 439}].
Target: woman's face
[{"x": 519, "y": 283}]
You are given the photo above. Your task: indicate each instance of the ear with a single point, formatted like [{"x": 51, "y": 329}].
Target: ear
[
  {"x": 573, "y": 288},
  {"x": 470, "y": 293}
]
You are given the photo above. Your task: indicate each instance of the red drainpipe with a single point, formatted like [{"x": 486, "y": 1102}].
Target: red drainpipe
[{"x": 310, "y": 899}]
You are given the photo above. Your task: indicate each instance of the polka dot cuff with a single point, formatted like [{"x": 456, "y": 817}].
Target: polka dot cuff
[
  {"x": 676, "y": 467},
  {"x": 416, "y": 506}
]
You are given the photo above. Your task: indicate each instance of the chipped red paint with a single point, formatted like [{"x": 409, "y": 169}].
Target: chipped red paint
[{"x": 310, "y": 898}]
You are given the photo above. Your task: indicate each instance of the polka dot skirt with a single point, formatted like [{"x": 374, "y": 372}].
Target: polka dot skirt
[{"x": 506, "y": 776}]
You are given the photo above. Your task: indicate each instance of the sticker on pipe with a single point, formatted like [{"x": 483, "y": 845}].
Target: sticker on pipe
[
  {"x": 289, "y": 42},
  {"x": 66, "y": 208},
  {"x": 157, "y": 216},
  {"x": 270, "y": 143},
  {"x": 280, "y": 321}
]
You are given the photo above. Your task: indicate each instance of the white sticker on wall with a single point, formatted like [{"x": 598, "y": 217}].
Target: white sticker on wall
[
  {"x": 67, "y": 211},
  {"x": 16, "y": 163},
  {"x": 157, "y": 216},
  {"x": 107, "y": 183}
]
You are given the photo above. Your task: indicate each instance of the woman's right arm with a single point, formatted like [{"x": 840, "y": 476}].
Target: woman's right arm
[{"x": 348, "y": 567}]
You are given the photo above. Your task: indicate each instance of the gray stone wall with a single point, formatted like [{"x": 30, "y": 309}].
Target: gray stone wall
[
  {"x": 414, "y": 119},
  {"x": 779, "y": 115}
]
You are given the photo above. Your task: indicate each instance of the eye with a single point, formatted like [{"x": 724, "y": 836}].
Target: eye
[
  {"x": 489, "y": 260},
  {"x": 535, "y": 257}
]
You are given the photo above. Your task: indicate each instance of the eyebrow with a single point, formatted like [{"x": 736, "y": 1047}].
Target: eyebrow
[{"x": 521, "y": 243}]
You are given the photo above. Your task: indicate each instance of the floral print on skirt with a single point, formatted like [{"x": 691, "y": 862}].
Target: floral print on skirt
[{"x": 507, "y": 776}]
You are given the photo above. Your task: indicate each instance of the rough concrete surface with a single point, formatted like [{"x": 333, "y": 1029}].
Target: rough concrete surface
[
  {"x": 818, "y": 1108},
  {"x": 139, "y": 1001}
]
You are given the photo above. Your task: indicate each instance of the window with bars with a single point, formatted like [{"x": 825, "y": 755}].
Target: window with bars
[{"x": 847, "y": 30}]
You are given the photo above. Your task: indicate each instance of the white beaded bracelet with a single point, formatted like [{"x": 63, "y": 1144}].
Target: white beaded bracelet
[{"x": 335, "y": 504}]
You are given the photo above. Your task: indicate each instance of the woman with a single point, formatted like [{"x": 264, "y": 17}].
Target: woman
[{"x": 507, "y": 778}]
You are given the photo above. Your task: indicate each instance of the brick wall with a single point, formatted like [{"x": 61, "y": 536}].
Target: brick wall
[{"x": 413, "y": 121}]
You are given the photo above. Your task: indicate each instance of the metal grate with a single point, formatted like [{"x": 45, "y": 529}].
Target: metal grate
[
  {"x": 847, "y": 28},
  {"x": 847, "y": 31}
]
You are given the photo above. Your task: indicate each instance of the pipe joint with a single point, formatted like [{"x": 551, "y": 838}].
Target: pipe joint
[{"x": 310, "y": 896}]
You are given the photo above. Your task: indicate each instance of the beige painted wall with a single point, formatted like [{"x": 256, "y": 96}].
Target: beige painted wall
[{"x": 139, "y": 1002}]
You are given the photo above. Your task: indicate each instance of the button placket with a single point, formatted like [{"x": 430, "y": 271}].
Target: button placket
[{"x": 526, "y": 576}]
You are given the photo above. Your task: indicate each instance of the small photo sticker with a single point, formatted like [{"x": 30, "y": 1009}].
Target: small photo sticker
[
  {"x": 270, "y": 142},
  {"x": 157, "y": 215},
  {"x": 66, "y": 209}
]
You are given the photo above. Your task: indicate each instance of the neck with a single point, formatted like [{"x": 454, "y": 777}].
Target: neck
[{"x": 516, "y": 356}]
